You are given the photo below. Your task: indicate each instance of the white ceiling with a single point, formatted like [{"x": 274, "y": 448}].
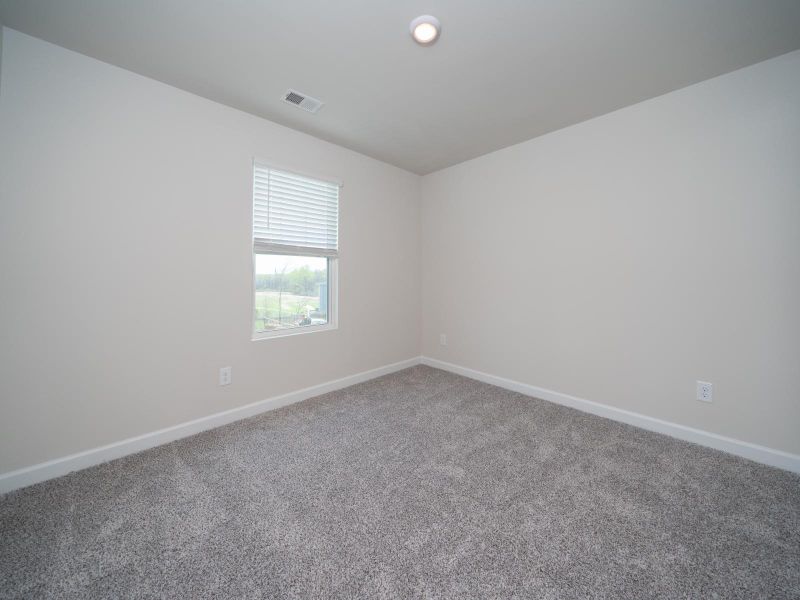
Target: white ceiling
[{"x": 502, "y": 72}]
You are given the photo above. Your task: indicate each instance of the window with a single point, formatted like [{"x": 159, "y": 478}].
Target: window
[{"x": 295, "y": 252}]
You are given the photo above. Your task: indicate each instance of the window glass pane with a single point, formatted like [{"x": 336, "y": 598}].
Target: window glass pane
[{"x": 291, "y": 291}]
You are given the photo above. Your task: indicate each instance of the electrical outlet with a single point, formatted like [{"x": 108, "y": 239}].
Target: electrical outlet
[
  {"x": 225, "y": 376},
  {"x": 705, "y": 391},
  {"x": 443, "y": 339}
]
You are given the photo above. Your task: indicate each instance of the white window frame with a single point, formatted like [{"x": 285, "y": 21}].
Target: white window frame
[
  {"x": 333, "y": 306},
  {"x": 333, "y": 275}
]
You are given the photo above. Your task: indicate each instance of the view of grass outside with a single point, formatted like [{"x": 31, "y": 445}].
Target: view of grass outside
[{"x": 291, "y": 291}]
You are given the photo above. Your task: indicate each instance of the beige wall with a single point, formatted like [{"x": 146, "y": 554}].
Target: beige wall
[
  {"x": 624, "y": 258},
  {"x": 125, "y": 258}
]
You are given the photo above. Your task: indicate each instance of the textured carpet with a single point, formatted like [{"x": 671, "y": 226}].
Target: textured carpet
[{"x": 420, "y": 484}]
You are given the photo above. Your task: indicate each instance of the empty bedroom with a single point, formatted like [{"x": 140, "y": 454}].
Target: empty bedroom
[{"x": 400, "y": 299}]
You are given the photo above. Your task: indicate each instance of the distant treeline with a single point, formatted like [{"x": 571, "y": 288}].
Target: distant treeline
[{"x": 301, "y": 282}]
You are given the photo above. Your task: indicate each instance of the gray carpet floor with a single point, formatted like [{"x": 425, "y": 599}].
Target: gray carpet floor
[{"x": 420, "y": 484}]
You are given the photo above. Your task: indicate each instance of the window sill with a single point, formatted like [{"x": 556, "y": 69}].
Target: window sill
[{"x": 279, "y": 333}]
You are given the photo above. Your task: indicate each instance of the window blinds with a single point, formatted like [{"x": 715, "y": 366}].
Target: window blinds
[{"x": 293, "y": 214}]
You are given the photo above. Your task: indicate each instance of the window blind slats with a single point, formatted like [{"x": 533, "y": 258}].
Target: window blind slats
[
  {"x": 300, "y": 197},
  {"x": 299, "y": 185},
  {"x": 294, "y": 214},
  {"x": 301, "y": 181},
  {"x": 275, "y": 187},
  {"x": 301, "y": 215}
]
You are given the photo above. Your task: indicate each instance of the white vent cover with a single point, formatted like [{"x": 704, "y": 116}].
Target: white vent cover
[{"x": 303, "y": 101}]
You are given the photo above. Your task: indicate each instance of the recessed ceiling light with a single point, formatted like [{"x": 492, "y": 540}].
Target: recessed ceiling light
[{"x": 425, "y": 29}]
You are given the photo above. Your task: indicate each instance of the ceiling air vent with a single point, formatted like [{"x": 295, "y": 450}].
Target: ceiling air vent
[{"x": 307, "y": 103}]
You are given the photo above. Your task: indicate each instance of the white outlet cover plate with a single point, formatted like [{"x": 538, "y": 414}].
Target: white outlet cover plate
[{"x": 705, "y": 391}]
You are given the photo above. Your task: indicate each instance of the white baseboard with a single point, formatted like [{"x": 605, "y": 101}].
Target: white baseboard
[
  {"x": 81, "y": 460},
  {"x": 761, "y": 454}
]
